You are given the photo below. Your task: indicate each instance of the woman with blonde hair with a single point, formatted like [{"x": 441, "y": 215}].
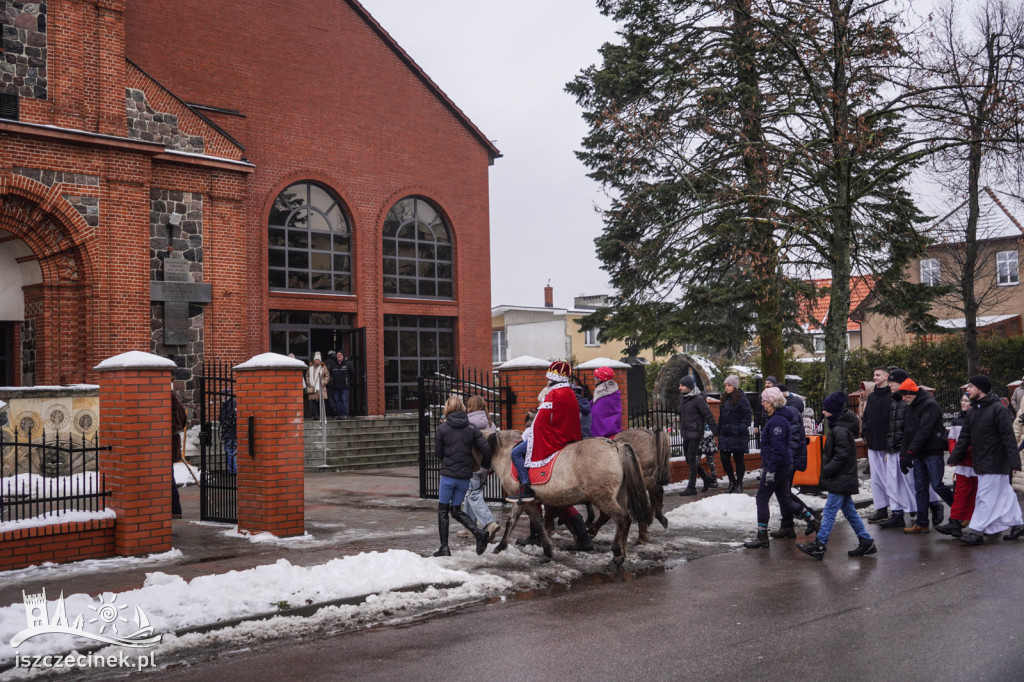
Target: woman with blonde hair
[
  {"x": 776, "y": 463},
  {"x": 453, "y": 446}
]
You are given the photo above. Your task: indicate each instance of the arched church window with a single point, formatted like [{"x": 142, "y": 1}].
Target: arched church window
[
  {"x": 310, "y": 245},
  {"x": 417, "y": 251}
]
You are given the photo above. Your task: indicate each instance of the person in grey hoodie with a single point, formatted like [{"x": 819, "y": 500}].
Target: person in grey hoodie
[{"x": 474, "y": 504}]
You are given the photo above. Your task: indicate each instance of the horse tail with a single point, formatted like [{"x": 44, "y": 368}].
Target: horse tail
[
  {"x": 662, "y": 454},
  {"x": 638, "y": 502}
]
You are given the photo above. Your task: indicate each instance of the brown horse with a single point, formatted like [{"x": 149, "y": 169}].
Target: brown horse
[
  {"x": 653, "y": 451},
  {"x": 595, "y": 470}
]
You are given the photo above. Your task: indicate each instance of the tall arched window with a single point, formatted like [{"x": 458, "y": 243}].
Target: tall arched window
[
  {"x": 417, "y": 251},
  {"x": 310, "y": 241}
]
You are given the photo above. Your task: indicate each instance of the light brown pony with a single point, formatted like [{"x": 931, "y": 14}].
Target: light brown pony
[
  {"x": 653, "y": 450},
  {"x": 595, "y": 470}
]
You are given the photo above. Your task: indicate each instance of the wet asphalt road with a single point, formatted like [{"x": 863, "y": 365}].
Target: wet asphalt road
[{"x": 923, "y": 608}]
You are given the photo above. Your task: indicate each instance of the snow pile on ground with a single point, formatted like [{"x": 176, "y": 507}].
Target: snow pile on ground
[
  {"x": 55, "y": 517},
  {"x": 192, "y": 445},
  {"x": 35, "y": 486},
  {"x": 182, "y": 477},
  {"x": 173, "y": 603},
  {"x": 719, "y": 511},
  {"x": 266, "y": 538}
]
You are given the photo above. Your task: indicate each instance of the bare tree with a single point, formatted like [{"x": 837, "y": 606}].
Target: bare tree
[{"x": 974, "y": 73}]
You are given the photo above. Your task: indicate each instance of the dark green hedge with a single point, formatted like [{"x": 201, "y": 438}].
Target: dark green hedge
[{"x": 939, "y": 365}]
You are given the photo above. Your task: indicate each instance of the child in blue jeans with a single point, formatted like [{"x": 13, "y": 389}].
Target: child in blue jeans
[{"x": 839, "y": 479}]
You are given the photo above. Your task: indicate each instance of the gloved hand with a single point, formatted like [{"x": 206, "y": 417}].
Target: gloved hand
[
  {"x": 769, "y": 478},
  {"x": 481, "y": 475},
  {"x": 906, "y": 464}
]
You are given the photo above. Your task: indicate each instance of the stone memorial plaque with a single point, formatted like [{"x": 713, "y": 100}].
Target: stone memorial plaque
[
  {"x": 175, "y": 270},
  {"x": 177, "y": 292},
  {"x": 176, "y": 323}
]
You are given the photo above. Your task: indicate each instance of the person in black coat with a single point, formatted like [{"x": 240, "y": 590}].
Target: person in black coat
[
  {"x": 453, "y": 445},
  {"x": 988, "y": 432},
  {"x": 839, "y": 479},
  {"x": 796, "y": 507},
  {"x": 734, "y": 432},
  {"x": 694, "y": 413},
  {"x": 924, "y": 445},
  {"x": 875, "y": 429}
]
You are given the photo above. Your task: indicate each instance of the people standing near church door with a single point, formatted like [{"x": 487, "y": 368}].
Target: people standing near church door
[
  {"x": 988, "y": 432},
  {"x": 179, "y": 420},
  {"x": 341, "y": 383},
  {"x": 606, "y": 409},
  {"x": 316, "y": 384}
]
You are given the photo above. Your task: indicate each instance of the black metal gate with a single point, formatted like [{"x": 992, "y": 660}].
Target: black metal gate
[
  {"x": 433, "y": 391},
  {"x": 218, "y": 415}
]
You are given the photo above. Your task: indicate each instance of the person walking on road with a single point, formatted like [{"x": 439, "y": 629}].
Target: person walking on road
[
  {"x": 453, "y": 446},
  {"x": 734, "y": 432},
  {"x": 875, "y": 429},
  {"x": 988, "y": 431},
  {"x": 924, "y": 442},
  {"x": 776, "y": 463},
  {"x": 965, "y": 480},
  {"x": 694, "y": 413},
  {"x": 839, "y": 479}
]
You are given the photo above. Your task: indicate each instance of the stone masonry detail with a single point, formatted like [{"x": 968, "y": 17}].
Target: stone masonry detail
[
  {"x": 186, "y": 239},
  {"x": 23, "y": 66},
  {"x": 154, "y": 126},
  {"x": 51, "y": 177}
]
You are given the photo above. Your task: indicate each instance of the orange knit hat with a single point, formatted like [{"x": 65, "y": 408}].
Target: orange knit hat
[{"x": 908, "y": 386}]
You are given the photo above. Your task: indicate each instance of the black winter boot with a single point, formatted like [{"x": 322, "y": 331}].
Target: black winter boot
[
  {"x": 813, "y": 523},
  {"x": 864, "y": 547},
  {"x": 894, "y": 521},
  {"x": 579, "y": 530},
  {"x": 938, "y": 513},
  {"x": 814, "y": 549},
  {"x": 952, "y": 527},
  {"x": 783, "y": 533},
  {"x": 760, "y": 541},
  {"x": 532, "y": 539},
  {"x": 442, "y": 529},
  {"x": 687, "y": 491},
  {"x": 881, "y": 514},
  {"x": 480, "y": 534}
]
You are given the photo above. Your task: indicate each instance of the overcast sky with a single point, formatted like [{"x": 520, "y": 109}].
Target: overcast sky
[{"x": 505, "y": 63}]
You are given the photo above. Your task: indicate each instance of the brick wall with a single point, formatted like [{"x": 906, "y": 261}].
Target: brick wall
[{"x": 59, "y": 543}]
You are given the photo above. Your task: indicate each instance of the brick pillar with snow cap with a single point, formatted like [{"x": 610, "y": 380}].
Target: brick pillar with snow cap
[
  {"x": 135, "y": 421},
  {"x": 271, "y": 488}
]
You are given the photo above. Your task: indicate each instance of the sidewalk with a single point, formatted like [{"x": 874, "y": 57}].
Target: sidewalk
[{"x": 346, "y": 513}]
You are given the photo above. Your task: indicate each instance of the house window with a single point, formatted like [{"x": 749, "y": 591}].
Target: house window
[
  {"x": 417, "y": 251},
  {"x": 499, "y": 346},
  {"x": 310, "y": 241},
  {"x": 930, "y": 272},
  {"x": 1006, "y": 268},
  {"x": 590, "y": 337}
]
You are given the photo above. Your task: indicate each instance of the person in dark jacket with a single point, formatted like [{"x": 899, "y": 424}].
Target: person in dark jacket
[
  {"x": 965, "y": 479},
  {"x": 924, "y": 444},
  {"x": 453, "y": 445},
  {"x": 694, "y": 413},
  {"x": 229, "y": 430},
  {"x": 875, "y": 429},
  {"x": 734, "y": 432},
  {"x": 839, "y": 479},
  {"x": 988, "y": 432},
  {"x": 776, "y": 463},
  {"x": 797, "y": 509},
  {"x": 179, "y": 422},
  {"x": 899, "y": 484}
]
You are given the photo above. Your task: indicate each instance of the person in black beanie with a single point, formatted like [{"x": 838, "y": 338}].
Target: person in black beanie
[
  {"x": 988, "y": 431},
  {"x": 839, "y": 478},
  {"x": 693, "y": 414}
]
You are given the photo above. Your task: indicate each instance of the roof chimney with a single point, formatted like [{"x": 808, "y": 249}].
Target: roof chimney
[{"x": 549, "y": 296}]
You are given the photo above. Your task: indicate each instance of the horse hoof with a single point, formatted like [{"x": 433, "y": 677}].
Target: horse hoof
[
  {"x": 616, "y": 564},
  {"x": 663, "y": 521},
  {"x": 548, "y": 553},
  {"x": 642, "y": 541},
  {"x": 500, "y": 547}
]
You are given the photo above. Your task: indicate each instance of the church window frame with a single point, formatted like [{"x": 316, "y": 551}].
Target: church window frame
[{"x": 309, "y": 241}]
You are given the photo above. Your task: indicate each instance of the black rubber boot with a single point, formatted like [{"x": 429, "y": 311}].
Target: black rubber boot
[
  {"x": 952, "y": 527},
  {"x": 760, "y": 541},
  {"x": 579, "y": 530},
  {"x": 532, "y": 539},
  {"x": 687, "y": 491},
  {"x": 787, "y": 532},
  {"x": 442, "y": 529},
  {"x": 479, "y": 533},
  {"x": 938, "y": 513},
  {"x": 813, "y": 523},
  {"x": 863, "y": 548}
]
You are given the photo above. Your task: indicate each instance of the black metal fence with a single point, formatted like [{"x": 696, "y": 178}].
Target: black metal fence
[
  {"x": 49, "y": 475},
  {"x": 433, "y": 391},
  {"x": 218, "y": 437}
]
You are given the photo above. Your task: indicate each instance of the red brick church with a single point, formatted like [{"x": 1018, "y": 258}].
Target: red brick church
[{"x": 210, "y": 179}]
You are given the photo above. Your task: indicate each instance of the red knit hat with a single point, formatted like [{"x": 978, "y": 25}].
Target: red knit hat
[
  {"x": 908, "y": 386},
  {"x": 604, "y": 374}
]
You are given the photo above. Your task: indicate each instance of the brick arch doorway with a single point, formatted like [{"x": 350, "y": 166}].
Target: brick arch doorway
[
  {"x": 45, "y": 292},
  {"x": 666, "y": 386}
]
